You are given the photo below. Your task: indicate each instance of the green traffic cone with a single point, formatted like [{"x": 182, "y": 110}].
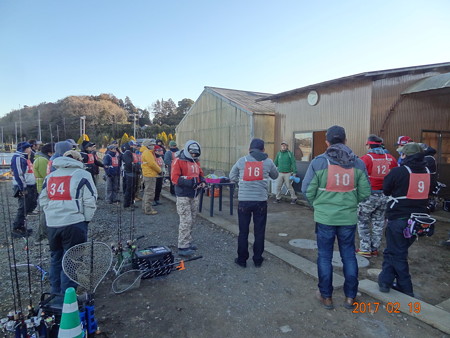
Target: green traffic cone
[{"x": 70, "y": 326}]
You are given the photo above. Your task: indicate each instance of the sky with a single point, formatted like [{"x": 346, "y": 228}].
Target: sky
[{"x": 153, "y": 49}]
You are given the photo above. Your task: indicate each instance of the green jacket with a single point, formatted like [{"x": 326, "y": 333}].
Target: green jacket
[
  {"x": 40, "y": 169},
  {"x": 335, "y": 207},
  {"x": 285, "y": 162}
]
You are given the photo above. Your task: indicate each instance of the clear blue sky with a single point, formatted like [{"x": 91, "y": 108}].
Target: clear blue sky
[{"x": 149, "y": 50}]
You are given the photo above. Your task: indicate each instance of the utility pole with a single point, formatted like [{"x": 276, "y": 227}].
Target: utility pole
[
  {"x": 82, "y": 126},
  {"x": 39, "y": 126},
  {"x": 57, "y": 132},
  {"x": 134, "y": 125},
  {"x": 20, "y": 123},
  {"x": 51, "y": 134},
  {"x": 64, "y": 125},
  {"x": 15, "y": 127}
]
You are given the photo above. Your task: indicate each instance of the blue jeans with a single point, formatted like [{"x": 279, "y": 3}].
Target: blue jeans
[
  {"x": 245, "y": 211},
  {"x": 325, "y": 242},
  {"x": 395, "y": 258},
  {"x": 60, "y": 240}
]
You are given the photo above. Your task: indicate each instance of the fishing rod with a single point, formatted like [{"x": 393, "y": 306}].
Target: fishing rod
[
  {"x": 25, "y": 224},
  {"x": 40, "y": 231},
  {"x": 4, "y": 202},
  {"x": 13, "y": 250}
]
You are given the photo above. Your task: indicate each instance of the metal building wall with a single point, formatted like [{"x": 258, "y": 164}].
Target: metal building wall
[
  {"x": 223, "y": 131},
  {"x": 394, "y": 115},
  {"x": 347, "y": 105},
  {"x": 265, "y": 129}
]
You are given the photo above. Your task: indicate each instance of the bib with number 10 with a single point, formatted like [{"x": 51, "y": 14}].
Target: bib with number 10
[
  {"x": 58, "y": 188},
  {"x": 253, "y": 171},
  {"x": 340, "y": 179}
]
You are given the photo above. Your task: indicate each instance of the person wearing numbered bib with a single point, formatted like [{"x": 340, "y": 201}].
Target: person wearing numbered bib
[
  {"x": 408, "y": 187},
  {"x": 334, "y": 184},
  {"x": 169, "y": 157},
  {"x": 111, "y": 162},
  {"x": 188, "y": 178},
  {"x": 24, "y": 187},
  {"x": 90, "y": 159},
  {"x": 371, "y": 211},
  {"x": 252, "y": 172},
  {"x": 68, "y": 198}
]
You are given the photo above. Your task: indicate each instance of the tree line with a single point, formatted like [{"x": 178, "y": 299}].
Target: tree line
[{"x": 106, "y": 117}]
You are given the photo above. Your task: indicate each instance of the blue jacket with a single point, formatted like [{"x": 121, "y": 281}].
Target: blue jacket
[
  {"x": 22, "y": 174},
  {"x": 112, "y": 169}
]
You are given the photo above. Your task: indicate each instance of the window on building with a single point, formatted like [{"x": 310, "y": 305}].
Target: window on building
[{"x": 309, "y": 145}]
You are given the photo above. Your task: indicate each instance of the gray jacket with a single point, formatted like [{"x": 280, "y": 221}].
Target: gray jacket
[
  {"x": 68, "y": 195},
  {"x": 253, "y": 190}
]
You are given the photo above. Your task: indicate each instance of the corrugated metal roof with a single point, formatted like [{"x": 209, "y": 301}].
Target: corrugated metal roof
[
  {"x": 430, "y": 83},
  {"x": 244, "y": 99},
  {"x": 371, "y": 75}
]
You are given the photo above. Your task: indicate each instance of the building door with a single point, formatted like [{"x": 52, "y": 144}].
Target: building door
[
  {"x": 308, "y": 145},
  {"x": 440, "y": 140}
]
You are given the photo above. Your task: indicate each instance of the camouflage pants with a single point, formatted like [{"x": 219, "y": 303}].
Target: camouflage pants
[
  {"x": 187, "y": 208},
  {"x": 371, "y": 212}
]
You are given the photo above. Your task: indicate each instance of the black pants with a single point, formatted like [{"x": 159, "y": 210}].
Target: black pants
[
  {"x": 129, "y": 184},
  {"x": 158, "y": 187},
  {"x": 245, "y": 211},
  {"x": 26, "y": 204},
  {"x": 172, "y": 187},
  {"x": 395, "y": 257}
]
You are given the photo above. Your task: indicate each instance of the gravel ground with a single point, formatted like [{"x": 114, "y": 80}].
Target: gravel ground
[{"x": 213, "y": 297}]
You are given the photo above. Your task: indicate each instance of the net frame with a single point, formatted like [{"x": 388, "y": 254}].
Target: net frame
[{"x": 87, "y": 264}]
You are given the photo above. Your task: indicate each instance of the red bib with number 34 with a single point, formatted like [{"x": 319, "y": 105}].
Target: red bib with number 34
[
  {"x": 340, "y": 179},
  {"x": 58, "y": 188},
  {"x": 253, "y": 171},
  {"x": 419, "y": 185}
]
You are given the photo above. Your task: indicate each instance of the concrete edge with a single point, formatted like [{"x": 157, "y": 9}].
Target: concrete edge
[{"x": 428, "y": 313}]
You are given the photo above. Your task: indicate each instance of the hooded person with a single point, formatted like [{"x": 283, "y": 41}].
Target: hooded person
[
  {"x": 68, "y": 199},
  {"x": 169, "y": 156},
  {"x": 252, "y": 172},
  {"x": 131, "y": 170},
  {"x": 111, "y": 163},
  {"x": 408, "y": 187},
  {"x": 24, "y": 187},
  {"x": 334, "y": 184},
  {"x": 60, "y": 149},
  {"x": 188, "y": 178}
]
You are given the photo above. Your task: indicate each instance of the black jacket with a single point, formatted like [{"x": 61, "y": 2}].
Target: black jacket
[{"x": 396, "y": 184}]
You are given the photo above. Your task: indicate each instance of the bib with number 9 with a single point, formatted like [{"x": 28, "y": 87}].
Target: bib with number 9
[
  {"x": 419, "y": 185},
  {"x": 58, "y": 188},
  {"x": 253, "y": 171}
]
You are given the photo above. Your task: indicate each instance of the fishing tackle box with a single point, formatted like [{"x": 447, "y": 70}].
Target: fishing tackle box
[{"x": 153, "y": 261}]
